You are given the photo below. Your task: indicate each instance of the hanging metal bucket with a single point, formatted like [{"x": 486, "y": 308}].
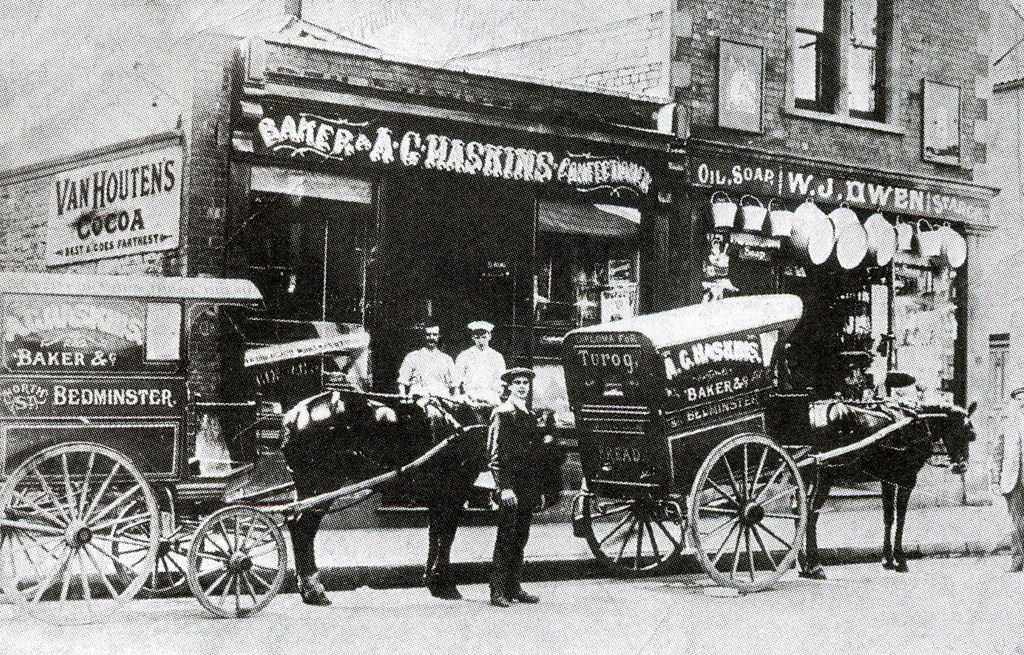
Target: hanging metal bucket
[
  {"x": 723, "y": 209},
  {"x": 882, "y": 240},
  {"x": 813, "y": 235},
  {"x": 929, "y": 241},
  {"x": 954, "y": 247},
  {"x": 851, "y": 240},
  {"x": 851, "y": 246},
  {"x": 904, "y": 235},
  {"x": 780, "y": 221},
  {"x": 753, "y": 214}
]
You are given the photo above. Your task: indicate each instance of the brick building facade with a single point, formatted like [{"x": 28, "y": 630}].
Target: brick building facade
[{"x": 753, "y": 121}]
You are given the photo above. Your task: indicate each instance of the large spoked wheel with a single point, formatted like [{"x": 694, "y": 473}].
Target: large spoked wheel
[
  {"x": 62, "y": 512},
  {"x": 237, "y": 562},
  {"x": 748, "y": 512},
  {"x": 636, "y": 536}
]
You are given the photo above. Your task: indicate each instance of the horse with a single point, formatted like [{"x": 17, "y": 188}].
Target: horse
[
  {"x": 887, "y": 442},
  {"x": 340, "y": 436}
]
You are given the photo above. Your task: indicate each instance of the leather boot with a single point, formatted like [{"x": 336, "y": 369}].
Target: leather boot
[
  {"x": 432, "y": 581},
  {"x": 521, "y": 596},
  {"x": 499, "y": 601}
]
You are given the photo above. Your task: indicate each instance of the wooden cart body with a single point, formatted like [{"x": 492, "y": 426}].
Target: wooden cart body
[
  {"x": 669, "y": 408},
  {"x": 653, "y": 395},
  {"x": 96, "y": 412}
]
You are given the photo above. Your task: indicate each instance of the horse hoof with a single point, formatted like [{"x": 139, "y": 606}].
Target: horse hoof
[
  {"x": 447, "y": 592},
  {"x": 888, "y": 566},
  {"x": 817, "y": 573},
  {"x": 315, "y": 597},
  {"x": 902, "y": 567},
  {"x": 313, "y": 592}
]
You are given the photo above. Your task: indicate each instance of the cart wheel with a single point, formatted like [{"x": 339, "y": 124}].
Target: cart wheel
[
  {"x": 168, "y": 576},
  {"x": 748, "y": 512},
  {"x": 237, "y": 562},
  {"x": 62, "y": 512},
  {"x": 633, "y": 536}
]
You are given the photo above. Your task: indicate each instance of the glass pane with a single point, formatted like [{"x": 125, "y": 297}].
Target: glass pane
[
  {"x": 163, "y": 331},
  {"x": 862, "y": 79},
  {"x": 810, "y": 15},
  {"x": 864, "y": 22},
  {"x": 805, "y": 66}
]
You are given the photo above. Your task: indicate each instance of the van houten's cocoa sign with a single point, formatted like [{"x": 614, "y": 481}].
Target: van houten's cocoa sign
[{"x": 121, "y": 207}]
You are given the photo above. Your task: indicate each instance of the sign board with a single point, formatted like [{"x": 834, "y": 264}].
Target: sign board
[
  {"x": 122, "y": 397},
  {"x": 70, "y": 333},
  {"x": 361, "y": 137},
  {"x": 122, "y": 207},
  {"x": 785, "y": 180},
  {"x": 717, "y": 377}
]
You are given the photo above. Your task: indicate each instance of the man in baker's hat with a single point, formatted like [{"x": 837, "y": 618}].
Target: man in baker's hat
[
  {"x": 1007, "y": 477},
  {"x": 478, "y": 368},
  {"x": 901, "y": 387},
  {"x": 514, "y": 445}
]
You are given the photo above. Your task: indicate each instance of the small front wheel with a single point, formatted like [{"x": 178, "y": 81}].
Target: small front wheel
[
  {"x": 237, "y": 562},
  {"x": 747, "y": 512},
  {"x": 633, "y": 536}
]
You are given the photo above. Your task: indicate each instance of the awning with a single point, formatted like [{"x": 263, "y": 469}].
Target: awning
[
  {"x": 311, "y": 184},
  {"x": 131, "y": 286},
  {"x": 585, "y": 219}
]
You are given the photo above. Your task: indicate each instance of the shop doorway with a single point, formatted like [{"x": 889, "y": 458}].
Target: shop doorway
[{"x": 450, "y": 251}]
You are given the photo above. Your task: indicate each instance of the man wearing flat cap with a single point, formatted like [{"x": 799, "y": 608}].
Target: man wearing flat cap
[
  {"x": 1006, "y": 474},
  {"x": 514, "y": 446},
  {"x": 478, "y": 368}
]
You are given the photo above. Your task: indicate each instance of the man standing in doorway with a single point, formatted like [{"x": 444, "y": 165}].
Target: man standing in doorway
[
  {"x": 478, "y": 368},
  {"x": 1008, "y": 479},
  {"x": 427, "y": 371}
]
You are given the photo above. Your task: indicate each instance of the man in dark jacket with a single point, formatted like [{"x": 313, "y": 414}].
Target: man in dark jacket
[{"x": 514, "y": 447}]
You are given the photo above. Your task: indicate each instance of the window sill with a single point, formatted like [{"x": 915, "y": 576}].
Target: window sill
[{"x": 843, "y": 120}]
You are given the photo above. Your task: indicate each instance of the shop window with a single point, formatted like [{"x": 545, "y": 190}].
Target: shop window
[
  {"x": 828, "y": 33},
  {"x": 925, "y": 327},
  {"x": 998, "y": 349},
  {"x": 587, "y": 266},
  {"x": 306, "y": 255}
]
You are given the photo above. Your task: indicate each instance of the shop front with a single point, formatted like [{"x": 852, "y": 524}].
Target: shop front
[
  {"x": 878, "y": 258},
  {"x": 352, "y": 217}
]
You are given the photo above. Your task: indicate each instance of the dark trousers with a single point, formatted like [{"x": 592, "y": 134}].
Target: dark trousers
[
  {"x": 510, "y": 545},
  {"x": 1015, "y": 505},
  {"x": 450, "y": 488}
]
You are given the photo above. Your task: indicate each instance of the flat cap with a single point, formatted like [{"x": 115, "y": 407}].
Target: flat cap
[
  {"x": 480, "y": 326},
  {"x": 1017, "y": 392},
  {"x": 516, "y": 372}
]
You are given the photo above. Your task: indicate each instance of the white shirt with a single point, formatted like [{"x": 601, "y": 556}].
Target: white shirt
[
  {"x": 479, "y": 372},
  {"x": 427, "y": 371}
]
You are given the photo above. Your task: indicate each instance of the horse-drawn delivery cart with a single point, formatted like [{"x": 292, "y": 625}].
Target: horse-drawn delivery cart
[
  {"x": 688, "y": 445},
  {"x": 97, "y": 422},
  {"x": 121, "y": 478}
]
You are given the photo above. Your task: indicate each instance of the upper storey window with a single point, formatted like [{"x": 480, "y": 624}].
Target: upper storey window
[{"x": 838, "y": 57}]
